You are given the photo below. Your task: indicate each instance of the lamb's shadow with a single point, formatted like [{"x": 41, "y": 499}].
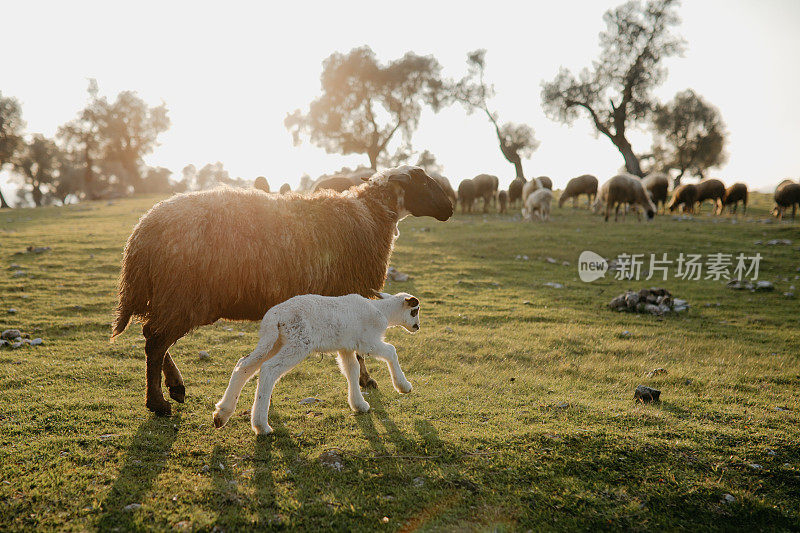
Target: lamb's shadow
[
  {"x": 144, "y": 460},
  {"x": 224, "y": 494}
]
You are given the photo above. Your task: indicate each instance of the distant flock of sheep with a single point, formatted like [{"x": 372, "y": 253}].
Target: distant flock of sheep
[{"x": 624, "y": 191}]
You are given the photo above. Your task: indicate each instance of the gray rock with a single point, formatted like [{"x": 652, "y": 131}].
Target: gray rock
[
  {"x": 38, "y": 249},
  {"x": 203, "y": 355},
  {"x": 783, "y": 242},
  {"x": 4, "y": 342},
  {"x": 418, "y": 481},
  {"x": 393, "y": 274},
  {"x": 308, "y": 401},
  {"x": 646, "y": 394},
  {"x": 17, "y": 344},
  {"x": 19, "y": 273},
  {"x": 132, "y": 507},
  {"x": 755, "y": 466},
  {"x": 657, "y": 372},
  {"x": 740, "y": 285},
  {"x": 331, "y": 459},
  {"x": 550, "y": 260},
  {"x": 728, "y": 498},
  {"x": 554, "y": 285},
  {"x": 11, "y": 334},
  {"x": 763, "y": 286},
  {"x": 36, "y": 342},
  {"x": 12, "y": 311},
  {"x": 448, "y": 329}
]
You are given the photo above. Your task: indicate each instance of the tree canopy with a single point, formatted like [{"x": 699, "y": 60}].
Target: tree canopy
[
  {"x": 37, "y": 163},
  {"x": 688, "y": 135},
  {"x": 617, "y": 92},
  {"x": 517, "y": 141},
  {"x": 365, "y": 103},
  {"x": 11, "y": 126}
]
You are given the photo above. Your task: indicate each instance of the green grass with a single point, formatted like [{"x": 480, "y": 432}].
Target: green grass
[{"x": 522, "y": 415}]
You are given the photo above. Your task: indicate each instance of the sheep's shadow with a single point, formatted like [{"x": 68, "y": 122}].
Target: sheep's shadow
[{"x": 144, "y": 460}]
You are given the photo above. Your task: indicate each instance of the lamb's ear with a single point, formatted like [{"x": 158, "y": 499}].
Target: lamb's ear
[
  {"x": 366, "y": 178},
  {"x": 412, "y": 301}
]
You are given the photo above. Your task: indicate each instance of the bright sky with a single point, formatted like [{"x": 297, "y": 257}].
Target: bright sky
[{"x": 229, "y": 73}]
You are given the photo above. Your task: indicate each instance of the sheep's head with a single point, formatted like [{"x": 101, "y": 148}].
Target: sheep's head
[{"x": 420, "y": 194}]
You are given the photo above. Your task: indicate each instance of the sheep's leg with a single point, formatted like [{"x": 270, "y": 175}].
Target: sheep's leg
[
  {"x": 173, "y": 379},
  {"x": 271, "y": 371},
  {"x": 155, "y": 348},
  {"x": 244, "y": 370},
  {"x": 364, "y": 379},
  {"x": 388, "y": 354},
  {"x": 349, "y": 365}
]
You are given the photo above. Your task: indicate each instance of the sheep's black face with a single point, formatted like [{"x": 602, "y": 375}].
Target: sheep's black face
[
  {"x": 650, "y": 214},
  {"x": 422, "y": 195}
]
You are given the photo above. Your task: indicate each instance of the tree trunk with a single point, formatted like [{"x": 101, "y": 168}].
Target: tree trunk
[
  {"x": 518, "y": 168},
  {"x": 373, "y": 160},
  {"x": 3, "y": 204},
  {"x": 631, "y": 161},
  {"x": 36, "y": 192},
  {"x": 677, "y": 181}
]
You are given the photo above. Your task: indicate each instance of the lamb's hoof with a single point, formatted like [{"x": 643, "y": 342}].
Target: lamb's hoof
[
  {"x": 221, "y": 417},
  {"x": 405, "y": 388},
  {"x": 160, "y": 408},
  {"x": 262, "y": 430},
  {"x": 367, "y": 383},
  {"x": 218, "y": 421},
  {"x": 178, "y": 393},
  {"x": 362, "y": 407}
]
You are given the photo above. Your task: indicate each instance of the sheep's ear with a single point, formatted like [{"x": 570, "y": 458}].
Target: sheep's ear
[
  {"x": 366, "y": 178},
  {"x": 400, "y": 177},
  {"x": 412, "y": 301}
]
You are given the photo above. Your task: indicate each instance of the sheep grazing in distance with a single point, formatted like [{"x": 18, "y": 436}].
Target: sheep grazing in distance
[
  {"x": 446, "y": 187},
  {"x": 546, "y": 182},
  {"x": 657, "y": 186},
  {"x": 620, "y": 190},
  {"x": 538, "y": 202},
  {"x": 261, "y": 184},
  {"x": 515, "y": 190},
  {"x": 585, "y": 184},
  {"x": 335, "y": 183},
  {"x": 685, "y": 195},
  {"x": 786, "y": 195},
  {"x": 485, "y": 187},
  {"x": 733, "y": 195},
  {"x": 291, "y": 330},
  {"x": 466, "y": 195},
  {"x": 502, "y": 201},
  {"x": 710, "y": 189},
  {"x": 529, "y": 187},
  {"x": 233, "y": 253},
  {"x": 285, "y": 188}
]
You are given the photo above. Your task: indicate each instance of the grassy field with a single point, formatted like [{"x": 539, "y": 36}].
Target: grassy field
[{"x": 522, "y": 415}]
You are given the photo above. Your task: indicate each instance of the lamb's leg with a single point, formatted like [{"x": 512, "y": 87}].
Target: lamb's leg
[
  {"x": 349, "y": 366},
  {"x": 364, "y": 379},
  {"x": 173, "y": 379},
  {"x": 387, "y": 353},
  {"x": 244, "y": 370},
  {"x": 271, "y": 371}
]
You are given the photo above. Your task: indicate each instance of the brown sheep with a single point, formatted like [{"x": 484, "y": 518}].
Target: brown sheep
[
  {"x": 466, "y": 195},
  {"x": 585, "y": 184},
  {"x": 710, "y": 189},
  {"x": 232, "y": 253},
  {"x": 546, "y": 182},
  {"x": 620, "y": 190},
  {"x": 485, "y": 187},
  {"x": 515, "y": 190},
  {"x": 285, "y": 188},
  {"x": 261, "y": 184},
  {"x": 733, "y": 195},
  {"x": 657, "y": 186},
  {"x": 446, "y": 187},
  {"x": 685, "y": 195},
  {"x": 502, "y": 201},
  {"x": 786, "y": 195}
]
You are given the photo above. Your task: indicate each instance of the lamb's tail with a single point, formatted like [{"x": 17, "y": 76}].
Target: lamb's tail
[{"x": 268, "y": 333}]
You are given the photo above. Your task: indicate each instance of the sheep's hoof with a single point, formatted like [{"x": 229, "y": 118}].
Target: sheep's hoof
[
  {"x": 160, "y": 408},
  {"x": 177, "y": 393},
  {"x": 262, "y": 430},
  {"x": 367, "y": 382}
]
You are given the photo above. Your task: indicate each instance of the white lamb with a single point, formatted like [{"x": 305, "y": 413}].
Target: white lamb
[
  {"x": 538, "y": 202},
  {"x": 290, "y": 331}
]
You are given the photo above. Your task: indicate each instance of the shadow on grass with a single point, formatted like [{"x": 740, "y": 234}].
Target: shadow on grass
[{"x": 144, "y": 460}]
